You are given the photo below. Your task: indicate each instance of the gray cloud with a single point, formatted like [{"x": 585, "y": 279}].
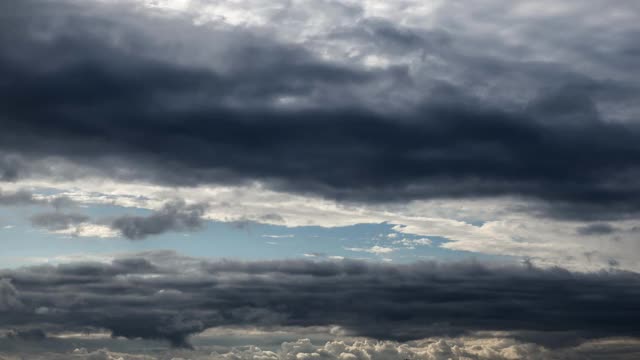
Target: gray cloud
[
  {"x": 57, "y": 221},
  {"x": 9, "y": 300},
  {"x": 18, "y": 198},
  {"x": 596, "y": 229},
  {"x": 117, "y": 106},
  {"x": 28, "y": 335},
  {"x": 148, "y": 297},
  {"x": 174, "y": 216},
  {"x": 23, "y": 197},
  {"x": 462, "y": 348}
]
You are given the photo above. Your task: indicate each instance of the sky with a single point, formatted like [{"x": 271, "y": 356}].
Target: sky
[{"x": 319, "y": 179}]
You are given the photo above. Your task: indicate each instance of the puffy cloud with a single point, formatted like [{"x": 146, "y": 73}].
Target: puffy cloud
[
  {"x": 174, "y": 216},
  {"x": 460, "y": 348},
  {"x": 69, "y": 224},
  {"x": 24, "y": 197}
]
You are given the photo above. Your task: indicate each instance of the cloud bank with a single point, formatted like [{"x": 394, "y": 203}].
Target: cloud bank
[
  {"x": 162, "y": 295},
  {"x": 178, "y": 110}
]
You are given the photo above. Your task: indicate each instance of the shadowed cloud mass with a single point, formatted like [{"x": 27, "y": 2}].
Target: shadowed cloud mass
[
  {"x": 148, "y": 296},
  {"x": 174, "y": 216},
  {"x": 127, "y": 106}
]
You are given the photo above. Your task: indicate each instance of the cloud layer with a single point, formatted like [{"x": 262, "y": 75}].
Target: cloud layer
[
  {"x": 177, "y": 110},
  {"x": 164, "y": 296},
  {"x": 504, "y": 128},
  {"x": 463, "y": 348}
]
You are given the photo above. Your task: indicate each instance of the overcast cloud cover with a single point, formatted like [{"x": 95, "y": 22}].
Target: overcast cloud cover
[{"x": 411, "y": 134}]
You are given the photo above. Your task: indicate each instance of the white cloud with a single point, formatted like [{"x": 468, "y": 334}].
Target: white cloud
[
  {"x": 378, "y": 250},
  {"x": 497, "y": 226},
  {"x": 88, "y": 230},
  {"x": 412, "y": 243},
  {"x": 462, "y": 348},
  {"x": 512, "y": 28}
]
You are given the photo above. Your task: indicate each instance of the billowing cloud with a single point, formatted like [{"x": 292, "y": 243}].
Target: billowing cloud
[
  {"x": 149, "y": 297},
  {"x": 462, "y": 348},
  {"x": 309, "y": 124},
  {"x": 507, "y": 128}
]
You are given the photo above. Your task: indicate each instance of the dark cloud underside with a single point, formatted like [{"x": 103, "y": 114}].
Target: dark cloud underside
[
  {"x": 126, "y": 109},
  {"x": 149, "y": 297}
]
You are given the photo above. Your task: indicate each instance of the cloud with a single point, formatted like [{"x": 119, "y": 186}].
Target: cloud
[
  {"x": 17, "y": 198},
  {"x": 174, "y": 216},
  {"x": 596, "y": 229},
  {"x": 77, "y": 225},
  {"x": 404, "y": 301},
  {"x": 433, "y": 349},
  {"x": 549, "y": 131},
  {"x": 378, "y": 250},
  {"x": 28, "y": 335},
  {"x": 23, "y": 197},
  {"x": 9, "y": 300},
  {"x": 413, "y": 242},
  {"x": 88, "y": 230},
  {"x": 462, "y": 348},
  {"x": 57, "y": 221}
]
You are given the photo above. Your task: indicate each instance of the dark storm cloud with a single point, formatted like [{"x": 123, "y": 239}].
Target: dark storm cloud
[
  {"x": 148, "y": 296},
  {"x": 174, "y": 216},
  {"x": 128, "y": 110}
]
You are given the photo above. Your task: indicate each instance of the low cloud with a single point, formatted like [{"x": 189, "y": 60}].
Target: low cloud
[{"x": 128, "y": 297}]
